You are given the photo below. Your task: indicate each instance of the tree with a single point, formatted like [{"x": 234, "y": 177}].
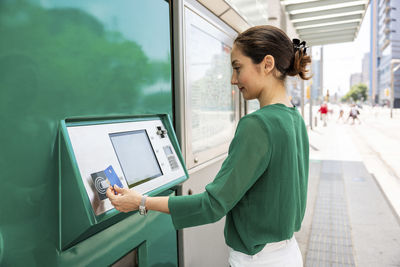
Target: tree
[{"x": 357, "y": 92}]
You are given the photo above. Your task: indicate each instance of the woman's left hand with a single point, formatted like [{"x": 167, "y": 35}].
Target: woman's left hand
[{"x": 126, "y": 200}]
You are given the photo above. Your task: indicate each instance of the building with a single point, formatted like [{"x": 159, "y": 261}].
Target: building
[
  {"x": 355, "y": 79},
  {"x": 386, "y": 39},
  {"x": 316, "y": 88},
  {"x": 365, "y": 69},
  {"x": 363, "y": 77}
]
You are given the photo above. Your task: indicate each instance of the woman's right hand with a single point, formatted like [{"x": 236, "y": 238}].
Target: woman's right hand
[{"x": 125, "y": 200}]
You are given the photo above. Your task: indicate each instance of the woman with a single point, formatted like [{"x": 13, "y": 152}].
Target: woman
[{"x": 262, "y": 184}]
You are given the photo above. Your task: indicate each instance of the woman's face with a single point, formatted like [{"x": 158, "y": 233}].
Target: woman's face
[{"x": 246, "y": 75}]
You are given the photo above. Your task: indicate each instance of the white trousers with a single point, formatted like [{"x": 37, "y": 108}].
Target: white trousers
[{"x": 285, "y": 253}]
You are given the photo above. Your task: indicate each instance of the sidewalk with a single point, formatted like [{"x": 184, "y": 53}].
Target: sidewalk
[{"x": 349, "y": 221}]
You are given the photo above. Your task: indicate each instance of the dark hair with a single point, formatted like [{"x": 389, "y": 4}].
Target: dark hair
[{"x": 259, "y": 41}]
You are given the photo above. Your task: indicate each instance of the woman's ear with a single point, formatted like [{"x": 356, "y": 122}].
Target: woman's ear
[{"x": 268, "y": 64}]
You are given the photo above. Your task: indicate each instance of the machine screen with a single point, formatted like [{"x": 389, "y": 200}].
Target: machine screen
[{"x": 136, "y": 156}]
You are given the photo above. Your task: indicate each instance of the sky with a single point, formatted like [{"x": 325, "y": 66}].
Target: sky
[{"x": 342, "y": 60}]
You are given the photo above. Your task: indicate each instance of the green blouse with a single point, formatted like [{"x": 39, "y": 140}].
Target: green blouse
[{"x": 261, "y": 186}]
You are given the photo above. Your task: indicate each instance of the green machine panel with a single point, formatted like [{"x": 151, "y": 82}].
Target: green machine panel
[
  {"x": 142, "y": 152},
  {"x": 66, "y": 59}
]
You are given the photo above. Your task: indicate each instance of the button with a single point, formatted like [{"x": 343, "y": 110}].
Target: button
[{"x": 159, "y": 131}]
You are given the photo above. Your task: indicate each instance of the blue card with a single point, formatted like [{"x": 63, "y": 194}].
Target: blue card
[{"x": 112, "y": 177}]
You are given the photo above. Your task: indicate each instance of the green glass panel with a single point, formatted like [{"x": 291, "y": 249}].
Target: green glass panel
[{"x": 62, "y": 59}]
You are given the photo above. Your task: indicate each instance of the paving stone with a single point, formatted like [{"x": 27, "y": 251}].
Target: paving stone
[{"x": 330, "y": 238}]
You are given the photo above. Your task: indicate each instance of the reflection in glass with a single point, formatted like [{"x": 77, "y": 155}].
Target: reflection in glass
[
  {"x": 208, "y": 71},
  {"x": 75, "y": 50},
  {"x": 61, "y": 59}
]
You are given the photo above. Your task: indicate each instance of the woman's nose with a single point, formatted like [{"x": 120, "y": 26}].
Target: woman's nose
[{"x": 233, "y": 79}]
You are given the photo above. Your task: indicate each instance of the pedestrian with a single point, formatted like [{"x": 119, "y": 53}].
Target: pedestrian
[
  {"x": 354, "y": 113},
  {"x": 341, "y": 114},
  {"x": 262, "y": 184},
  {"x": 323, "y": 109}
]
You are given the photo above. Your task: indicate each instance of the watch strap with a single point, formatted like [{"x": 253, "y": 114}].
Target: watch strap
[{"x": 142, "y": 206}]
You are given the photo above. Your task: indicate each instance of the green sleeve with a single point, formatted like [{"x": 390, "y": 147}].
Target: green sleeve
[{"x": 247, "y": 160}]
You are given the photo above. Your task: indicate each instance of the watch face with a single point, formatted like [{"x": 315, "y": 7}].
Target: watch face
[
  {"x": 142, "y": 206},
  {"x": 142, "y": 210}
]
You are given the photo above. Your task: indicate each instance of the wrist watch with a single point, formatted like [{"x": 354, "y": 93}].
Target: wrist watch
[{"x": 142, "y": 206}]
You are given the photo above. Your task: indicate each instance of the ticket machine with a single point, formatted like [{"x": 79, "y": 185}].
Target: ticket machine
[{"x": 140, "y": 153}]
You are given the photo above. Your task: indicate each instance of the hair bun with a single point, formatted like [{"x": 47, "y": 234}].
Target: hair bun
[
  {"x": 299, "y": 45},
  {"x": 300, "y": 60}
]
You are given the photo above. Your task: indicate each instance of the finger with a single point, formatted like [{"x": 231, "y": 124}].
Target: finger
[
  {"x": 109, "y": 193},
  {"x": 118, "y": 189}
]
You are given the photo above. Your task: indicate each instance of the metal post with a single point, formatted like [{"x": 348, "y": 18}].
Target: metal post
[
  {"x": 393, "y": 69},
  {"x": 374, "y": 50},
  {"x": 321, "y": 72}
]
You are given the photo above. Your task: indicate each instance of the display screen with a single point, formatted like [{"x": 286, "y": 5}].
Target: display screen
[{"x": 136, "y": 156}]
